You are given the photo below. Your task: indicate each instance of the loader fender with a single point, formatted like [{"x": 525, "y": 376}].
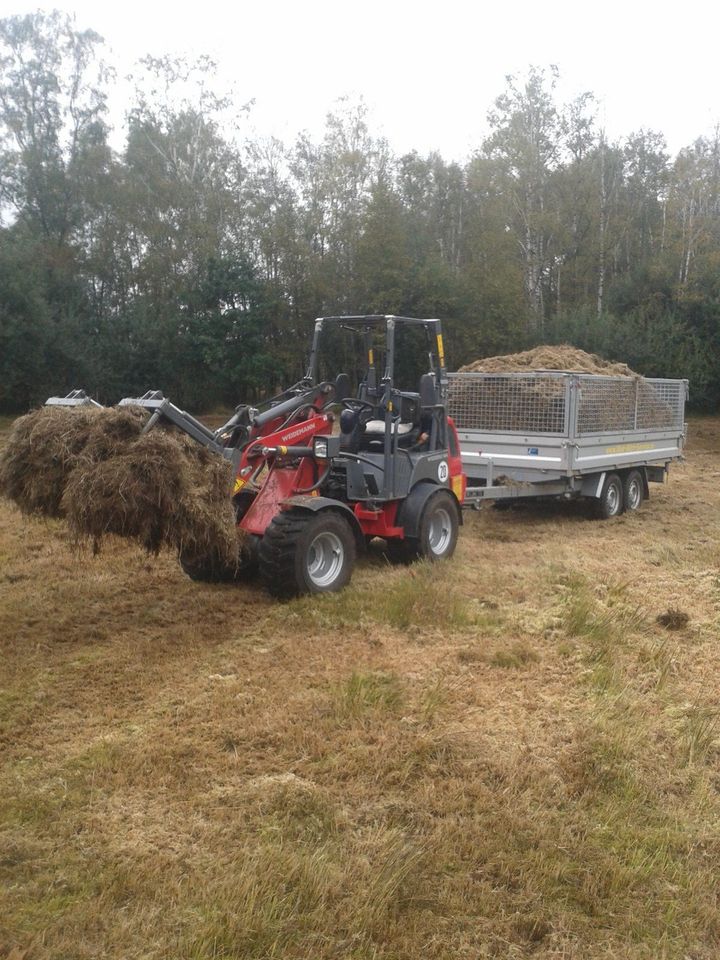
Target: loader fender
[
  {"x": 316, "y": 504},
  {"x": 412, "y": 507}
]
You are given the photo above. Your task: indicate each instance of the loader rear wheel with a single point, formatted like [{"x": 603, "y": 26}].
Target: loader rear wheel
[
  {"x": 305, "y": 552},
  {"x": 437, "y": 536}
]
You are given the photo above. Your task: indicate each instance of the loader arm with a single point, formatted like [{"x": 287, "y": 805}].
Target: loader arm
[{"x": 245, "y": 427}]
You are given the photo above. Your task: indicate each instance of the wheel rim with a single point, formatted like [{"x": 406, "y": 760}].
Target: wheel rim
[
  {"x": 440, "y": 531},
  {"x": 613, "y": 499},
  {"x": 326, "y": 557},
  {"x": 634, "y": 495}
]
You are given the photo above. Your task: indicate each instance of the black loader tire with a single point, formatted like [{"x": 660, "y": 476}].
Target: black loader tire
[
  {"x": 211, "y": 569},
  {"x": 438, "y": 534},
  {"x": 633, "y": 490},
  {"x": 611, "y": 502},
  {"x": 303, "y": 552}
]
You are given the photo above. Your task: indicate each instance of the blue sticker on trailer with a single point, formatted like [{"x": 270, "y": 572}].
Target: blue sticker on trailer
[{"x": 533, "y": 451}]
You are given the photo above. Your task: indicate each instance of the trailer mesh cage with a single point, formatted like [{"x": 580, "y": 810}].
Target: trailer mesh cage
[{"x": 564, "y": 404}]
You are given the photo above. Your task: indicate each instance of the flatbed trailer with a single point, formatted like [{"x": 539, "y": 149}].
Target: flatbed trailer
[{"x": 567, "y": 435}]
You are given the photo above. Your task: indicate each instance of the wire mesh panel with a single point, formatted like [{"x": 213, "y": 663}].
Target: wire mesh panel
[
  {"x": 509, "y": 403},
  {"x": 539, "y": 403},
  {"x": 620, "y": 404},
  {"x": 667, "y": 396},
  {"x": 606, "y": 403}
]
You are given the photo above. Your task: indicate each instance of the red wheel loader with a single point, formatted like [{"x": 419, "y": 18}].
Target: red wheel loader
[{"x": 309, "y": 496}]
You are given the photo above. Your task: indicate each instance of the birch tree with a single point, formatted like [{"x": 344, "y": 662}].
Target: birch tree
[{"x": 525, "y": 145}]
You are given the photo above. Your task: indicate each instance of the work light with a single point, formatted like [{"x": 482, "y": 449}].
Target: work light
[{"x": 320, "y": 448}]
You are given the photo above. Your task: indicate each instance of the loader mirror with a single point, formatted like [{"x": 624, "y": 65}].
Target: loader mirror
[{"x": 342, "y": 386}]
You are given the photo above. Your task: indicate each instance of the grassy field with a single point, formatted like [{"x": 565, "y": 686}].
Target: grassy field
[{"x": 505, "y": 756}]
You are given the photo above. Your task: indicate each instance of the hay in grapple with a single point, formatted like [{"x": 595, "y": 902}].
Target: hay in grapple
[
  {"x": 42, "y": 451},
  {"x": 158, "y": 489},
  {"x": 96, "y": 468}
]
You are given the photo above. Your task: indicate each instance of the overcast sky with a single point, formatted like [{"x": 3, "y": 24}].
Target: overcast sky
[{"x": 429, "y": 72}]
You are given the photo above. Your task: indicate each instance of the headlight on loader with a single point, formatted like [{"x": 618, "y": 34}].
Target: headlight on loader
[{"x": 320, "y": 448}]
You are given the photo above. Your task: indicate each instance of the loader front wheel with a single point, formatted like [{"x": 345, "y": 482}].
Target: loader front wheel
[
  {"x": 210, "y": 568},
  {"x": 305, "y": 552}
]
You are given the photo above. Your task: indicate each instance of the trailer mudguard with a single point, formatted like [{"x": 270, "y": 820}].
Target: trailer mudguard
[
  {"x": 592, "y": 483},
  {"x": 411, "y": 508},
  {"x": 316, "y": 504}
]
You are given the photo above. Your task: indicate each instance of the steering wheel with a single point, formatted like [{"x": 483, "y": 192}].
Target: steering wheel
[{"x": 357, "y": 405}]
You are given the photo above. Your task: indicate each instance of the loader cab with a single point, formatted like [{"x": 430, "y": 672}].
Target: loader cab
[
  {"x": 396, "y": 379},
  {"x": 394, "y": 415}
]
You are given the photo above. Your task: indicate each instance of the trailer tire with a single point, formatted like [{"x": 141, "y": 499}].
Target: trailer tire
[
  {"x": 304, "y": 552},
  {"x": 611, "y": 502},
  {"x": 633, "y": 490},
  {"x": 437, "y": 535}
]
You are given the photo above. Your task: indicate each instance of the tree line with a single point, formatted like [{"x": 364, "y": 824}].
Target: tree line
[{"x": 194, "y": 259}]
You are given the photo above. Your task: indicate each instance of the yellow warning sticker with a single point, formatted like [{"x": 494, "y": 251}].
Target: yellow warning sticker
[{"x": 629, "y": 447}]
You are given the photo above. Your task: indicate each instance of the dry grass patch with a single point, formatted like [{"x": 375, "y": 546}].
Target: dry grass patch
[
  {"x": 420, "y": 599},
  {"x": 364, "y": 692},
  {"x": 515, "y": 657},
  {"x": 504, "y": 756},
  {"x": 699, "y": 733}
]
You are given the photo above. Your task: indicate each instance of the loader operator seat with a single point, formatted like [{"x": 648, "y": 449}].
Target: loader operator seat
[
  {"x": 374, "y": 434},
  {"x": 362, "y": 423}
]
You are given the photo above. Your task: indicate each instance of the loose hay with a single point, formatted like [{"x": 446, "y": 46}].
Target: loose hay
[
  {"x": 42, "y": 451},
  {"x": 617, "y": 400},
  {"x": 96, "y": 468},
  {"x": 561, "y": 357}
]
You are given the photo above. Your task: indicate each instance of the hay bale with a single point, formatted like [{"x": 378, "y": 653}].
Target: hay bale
[
  {"x": 42, "y": 451},
  {"x": 131, "y": 494},
  {"x": 108, "y": 433},
  {"x": 97, "y": 469},
  {"x": 204, "y": 523},
  {"x": 161, "y": 489}
]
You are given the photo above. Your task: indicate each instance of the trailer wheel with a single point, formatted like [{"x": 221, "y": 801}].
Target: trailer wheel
[
  {"x": 305, "y": 552},
  {"x": 437, "y": 536},
  {"x": 611, "y": 502},
  {"x": 633, "y": 490}
]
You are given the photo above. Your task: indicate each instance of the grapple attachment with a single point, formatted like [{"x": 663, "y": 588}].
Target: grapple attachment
[
  {"x": 76, "y": 398},
  {"x": 161, "y": 408}
]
